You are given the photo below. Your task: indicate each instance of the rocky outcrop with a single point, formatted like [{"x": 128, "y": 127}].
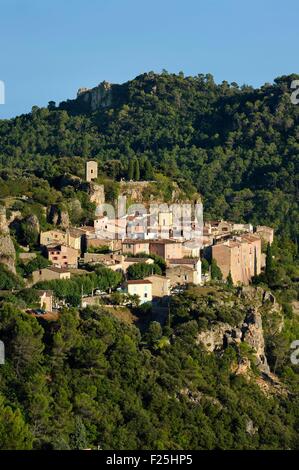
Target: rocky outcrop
[
  {"x": 196, "y": 397},
  {"x": 7, "y": 249},
  {"x": 34, "y": 222},
  {"x": 252, "y": 334},
  {"x": 97, "y": 97},
  {"x": 59, "y": 217},
  {"x": 214, "y": 338},
  {"x": 250, "y": 330},
  {"x": 250, "y": 428},
  {"x": 152, "y": 192},
  {"x": 96, "y": 193},
  {"x": 14, "y": 215}
]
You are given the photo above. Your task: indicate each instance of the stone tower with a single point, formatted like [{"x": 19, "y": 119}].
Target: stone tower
[{"x": 91, "y": 171}]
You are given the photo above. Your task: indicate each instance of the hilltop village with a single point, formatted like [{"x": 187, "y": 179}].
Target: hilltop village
[{"x": 152, "y": 255}]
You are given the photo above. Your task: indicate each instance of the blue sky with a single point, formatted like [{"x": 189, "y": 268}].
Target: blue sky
[{"x": 50, "y": 48}]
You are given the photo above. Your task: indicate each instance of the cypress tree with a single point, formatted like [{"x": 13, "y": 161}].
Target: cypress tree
[
  {"x": 215, "y": 271},
  {"x": 229, "y": 280},
  {"x": 269, "y": 263},
  {"x": 148, "y": 170},
  {"x": 137, "y": 170},
  {"x": 131, "y": 170}
]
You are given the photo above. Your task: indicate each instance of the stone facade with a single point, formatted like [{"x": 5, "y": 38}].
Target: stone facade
[
  {"x": 72, "y": 238},
  {"x": 135, "y": 246},
  {"x": 241, "y": 257},
  {"x": 167, "y": 249},
  {"x": 91, "y": 170},
  {"x": 50, "y": 274},
  {"x": 63, "y": 256},
  {"x": 160, "y": 285},
  {"x": 266, "y": 233}
]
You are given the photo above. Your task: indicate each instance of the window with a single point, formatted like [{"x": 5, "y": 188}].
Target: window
[{"x": 145, "y": 294}]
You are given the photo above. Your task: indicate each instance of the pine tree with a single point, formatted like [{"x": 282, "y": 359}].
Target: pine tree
[
  {"x": 79, "y": 439},
  {"x": 14, "y": 432}
]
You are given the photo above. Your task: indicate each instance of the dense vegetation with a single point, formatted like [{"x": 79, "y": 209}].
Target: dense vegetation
[{"x": 90, "y": 380}]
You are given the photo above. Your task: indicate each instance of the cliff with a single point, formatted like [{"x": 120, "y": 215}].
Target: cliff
[
  {"x": 7, "y": 249},
  {"x": 155, "y": 192},
  {"x": 97, "y": 97},
  {"x": 250, "y": 332},
  {"x": 102, "y": 96}
]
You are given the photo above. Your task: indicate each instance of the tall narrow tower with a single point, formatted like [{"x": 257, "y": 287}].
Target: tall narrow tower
[{"x": 91, "y": 170}]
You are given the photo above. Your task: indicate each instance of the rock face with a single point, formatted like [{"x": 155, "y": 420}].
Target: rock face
[
  {"x": 252, "y": 333},
  {"x": 97, "y": 97},
  {"x": 97, "y": 193},
  {"x": 7, "y": 249},
  {"x": 33, "y": 220},
  {"x": 250, "y": 330},
  {"x": 151, "y": 192},
  {"x": 214, "y": 338},
  {"x": 57, "y": 216}
]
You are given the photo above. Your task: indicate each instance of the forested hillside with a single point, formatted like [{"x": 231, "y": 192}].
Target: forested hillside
[
  {"x": 238, "y": 146},
  {"x": 91, "y": 381}
]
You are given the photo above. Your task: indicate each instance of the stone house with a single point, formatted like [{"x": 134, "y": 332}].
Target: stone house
[
  {"x": 191, "y": 248},
  {"x": 240, "y": 256},
  {"x": 166, "y": 249},
  {"x": 266, "y": 233},
  {"x": 217, "y": 227},
  {"x": 53, "y": 236},
  {"x": 160, "y": 285},
  {"x": 49, "y": 274},
  {"x": 135, "y": 247},
  {"x": 63, "y": 256},
  {"x": 180, "y": 275},
  {"x": 71, "y": 237},
  {"x": 184, "y": 271}
]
